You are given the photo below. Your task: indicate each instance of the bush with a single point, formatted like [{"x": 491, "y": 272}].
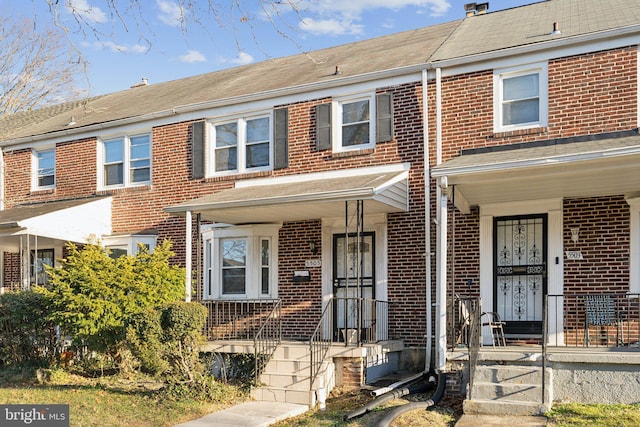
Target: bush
[
  {"x": 166, "y": 341},
  {"x": 91, "y": 295},
  {"x": 27, "y": 337}
]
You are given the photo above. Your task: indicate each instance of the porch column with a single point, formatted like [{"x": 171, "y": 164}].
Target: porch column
[
  {"x": 188, "y": 257},
  {"x": 441, "y": 276}
]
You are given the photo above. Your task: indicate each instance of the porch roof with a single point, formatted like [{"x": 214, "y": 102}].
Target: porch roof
[
  {"x": 75, "y": 220},
  {"x": 593, "y": 165},
  {"x": 302, "y": 197}
]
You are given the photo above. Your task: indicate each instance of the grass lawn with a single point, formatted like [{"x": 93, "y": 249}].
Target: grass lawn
[
  {"x": 109, "y": 401},
  {"x": 574, "y": 414}
]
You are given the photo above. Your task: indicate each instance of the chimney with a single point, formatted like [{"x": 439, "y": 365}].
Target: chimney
[
  {"x": 144, "y": 82},
  {"x": 473, "y": 9}
]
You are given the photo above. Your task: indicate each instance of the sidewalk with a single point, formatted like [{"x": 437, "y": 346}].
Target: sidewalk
[
  {"x": 500, "y": 421},
  {"x": 249, "y": 414}
]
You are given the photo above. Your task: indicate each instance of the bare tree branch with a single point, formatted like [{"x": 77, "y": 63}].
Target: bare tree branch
[{"x": 36, "y": 67}]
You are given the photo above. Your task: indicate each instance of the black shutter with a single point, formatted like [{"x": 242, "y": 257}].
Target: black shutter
[
  {"x": 323, "y": 127},
  {"x": 281, "y": 138},
  {"x": 384, "y": 120},
  {"x": 197, "y": 150}
]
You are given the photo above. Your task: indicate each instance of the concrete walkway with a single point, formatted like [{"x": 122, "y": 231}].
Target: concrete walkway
[
  {"x": 249, "y": 414},
  {"x": 500, "y": 421}
]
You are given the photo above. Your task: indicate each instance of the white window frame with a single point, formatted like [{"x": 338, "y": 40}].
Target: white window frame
[
  {"x": 241, "y": 144},
  {"x": 126, "y": 160},
  {"x": 634, "y": 250},
  {"x": 254, "y": 235},
  {"x": 129, "y": 243},
  {"x": 543, "y": 95},
  {"x": 35, "y": 167},
  {"x": 336, "y": 128}
]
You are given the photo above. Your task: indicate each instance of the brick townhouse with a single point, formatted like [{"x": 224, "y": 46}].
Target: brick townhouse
[{"x": 294, "y": 190}]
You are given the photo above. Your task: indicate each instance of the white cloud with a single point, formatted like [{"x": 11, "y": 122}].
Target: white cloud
[
  {"x": 86, "y": 12},
  {"x": 170, "y": 13},
  {"x": 243, "y": 58},
  {"x": 331, "y": 27},
  {"x": 119, "y": 48},
  {"x": 192, "y": 56}
]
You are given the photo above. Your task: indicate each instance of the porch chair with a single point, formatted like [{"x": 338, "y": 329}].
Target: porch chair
[
  {"x": 600, "y": 310},
  {"x": 496, "y": 327}
]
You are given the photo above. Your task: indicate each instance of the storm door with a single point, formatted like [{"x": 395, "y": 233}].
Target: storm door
[
  {"x": 353, "y": 284},
  {"x": 520, "y": 280}
]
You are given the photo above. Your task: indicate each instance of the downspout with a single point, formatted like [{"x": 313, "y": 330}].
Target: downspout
[
  {"x": 188, "y": 257},
  {"x": 427, "y": 219},
  {"x": 441, "y": 257}
]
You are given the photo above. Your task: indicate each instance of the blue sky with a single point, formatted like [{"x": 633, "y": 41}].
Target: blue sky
[{"x": 154, "y": 45}]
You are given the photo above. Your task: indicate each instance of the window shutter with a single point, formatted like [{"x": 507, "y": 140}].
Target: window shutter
[
  {"x": 197, "y": 150},
  {"x": 384, "y": 114},
  {"x": 281, "y": 138},
  {"x": 323, "y": 127}
]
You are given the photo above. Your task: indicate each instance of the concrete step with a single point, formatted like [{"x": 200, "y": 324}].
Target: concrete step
[
  {"x": 508, "y": 374},
  {"x": 298, "y": 367},
  {"x": 510, "y": 392},
  {"x": 292, "y": 352},
  {"x": 284, "y": 394},
  {"x": 503, "y": 407},
  {"x": 290, "y": 381}
]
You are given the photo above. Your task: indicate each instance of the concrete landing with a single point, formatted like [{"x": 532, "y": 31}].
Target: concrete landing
[{"x": 249, "y": 414}]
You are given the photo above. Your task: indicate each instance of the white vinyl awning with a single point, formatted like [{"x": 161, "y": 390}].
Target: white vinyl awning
[
  {"x": 78, "y": 220},
  {"x": 598, "y": 165},
  {"x": 302, "y": 197}
]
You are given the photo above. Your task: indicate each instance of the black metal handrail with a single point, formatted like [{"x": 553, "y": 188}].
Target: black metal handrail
[
  {"x": 472, "y": 308},
  {"x": 267, "y": 339},
  {"x": 574, "y": 320},
  {"x": 320, "y": 341}
]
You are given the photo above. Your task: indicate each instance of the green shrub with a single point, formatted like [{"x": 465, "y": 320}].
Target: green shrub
[
  {"x": 145, "y": 340},
  {"x": 27, "y": 337},
  {"x": 91, "y": 295}
]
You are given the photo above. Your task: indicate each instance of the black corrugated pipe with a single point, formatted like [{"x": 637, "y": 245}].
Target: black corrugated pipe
[
  {"x": 420, "y": 387},
  {"x": 399, "y": 410}
]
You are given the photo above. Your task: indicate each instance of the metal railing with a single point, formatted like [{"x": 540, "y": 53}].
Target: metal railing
[
  {"x": 267, "y": 339},
  {"x": 257, "y": 320},
  {"x": 594, "y": 320},
  {"x": 469, "y": 333},
  {"x": 359, "y": 321},
  {"x": 320, "y": 341}
]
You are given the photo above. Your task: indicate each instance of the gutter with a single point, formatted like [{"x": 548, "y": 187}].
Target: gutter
[{"x": 427, "y": 219}]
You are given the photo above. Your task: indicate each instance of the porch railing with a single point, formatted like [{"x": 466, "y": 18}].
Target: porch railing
[
  {"x": 359, "y": 321},
  {"x": 469, "y": 331},
  {"x": 594, "y": 320},
  {"x": 320, "y": 341},
  {"x": 259, "y": 321}
]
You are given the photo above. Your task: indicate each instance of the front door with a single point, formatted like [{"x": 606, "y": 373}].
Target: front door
[
  {"x": 520, "y": 280},
  {"x": 353, "y": 283}
]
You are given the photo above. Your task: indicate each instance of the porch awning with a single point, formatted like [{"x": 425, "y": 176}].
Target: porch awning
[
  {"x": 596, "y": 165},
  {"x": 302, "y": 197},
  {"x": 76, "y": 220}
]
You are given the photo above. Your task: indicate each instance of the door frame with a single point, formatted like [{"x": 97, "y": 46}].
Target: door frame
[{"x": 555, "y": 256}]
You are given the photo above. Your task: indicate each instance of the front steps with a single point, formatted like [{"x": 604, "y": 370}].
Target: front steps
[
  {"x": 286, "y": 378},
  {"x": 509, "y": 390}
]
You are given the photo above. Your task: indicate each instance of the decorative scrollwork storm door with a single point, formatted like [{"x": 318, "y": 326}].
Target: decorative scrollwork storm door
[{"x": 520, "y": 251}]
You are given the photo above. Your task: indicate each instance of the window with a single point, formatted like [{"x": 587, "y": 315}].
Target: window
[
  {"x": 45, "y": 169},
  {"x": 39, "y": 259},
  {"x": 128, "y": 244},
  {"x": 127, "y": 161},
  {"x": 239, "y": 261},
  {"x": 242, "y": 144},
  {"x": 521, "y": 99},
  {"x": 354, "y": 128}
]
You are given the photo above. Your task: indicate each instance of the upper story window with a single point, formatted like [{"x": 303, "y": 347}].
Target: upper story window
[
  {"x": 520, "y": 98},
  {"x": 353, "y": 128},
  {"x": 240, "y": 261},
  {"x": 240, "y": 145},
  {"x": 44, "y": 165},
  {"x": 126, "y": 161},
  {"x": 355, "y": 122}
]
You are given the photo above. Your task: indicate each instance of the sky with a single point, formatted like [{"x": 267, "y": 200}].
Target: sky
[{"x": 152, "y": 41}]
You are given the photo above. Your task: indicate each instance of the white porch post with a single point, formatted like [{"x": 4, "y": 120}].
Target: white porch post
[
  {"x": 441, "y": 277},
  {"x": 188, "y": 256}
]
